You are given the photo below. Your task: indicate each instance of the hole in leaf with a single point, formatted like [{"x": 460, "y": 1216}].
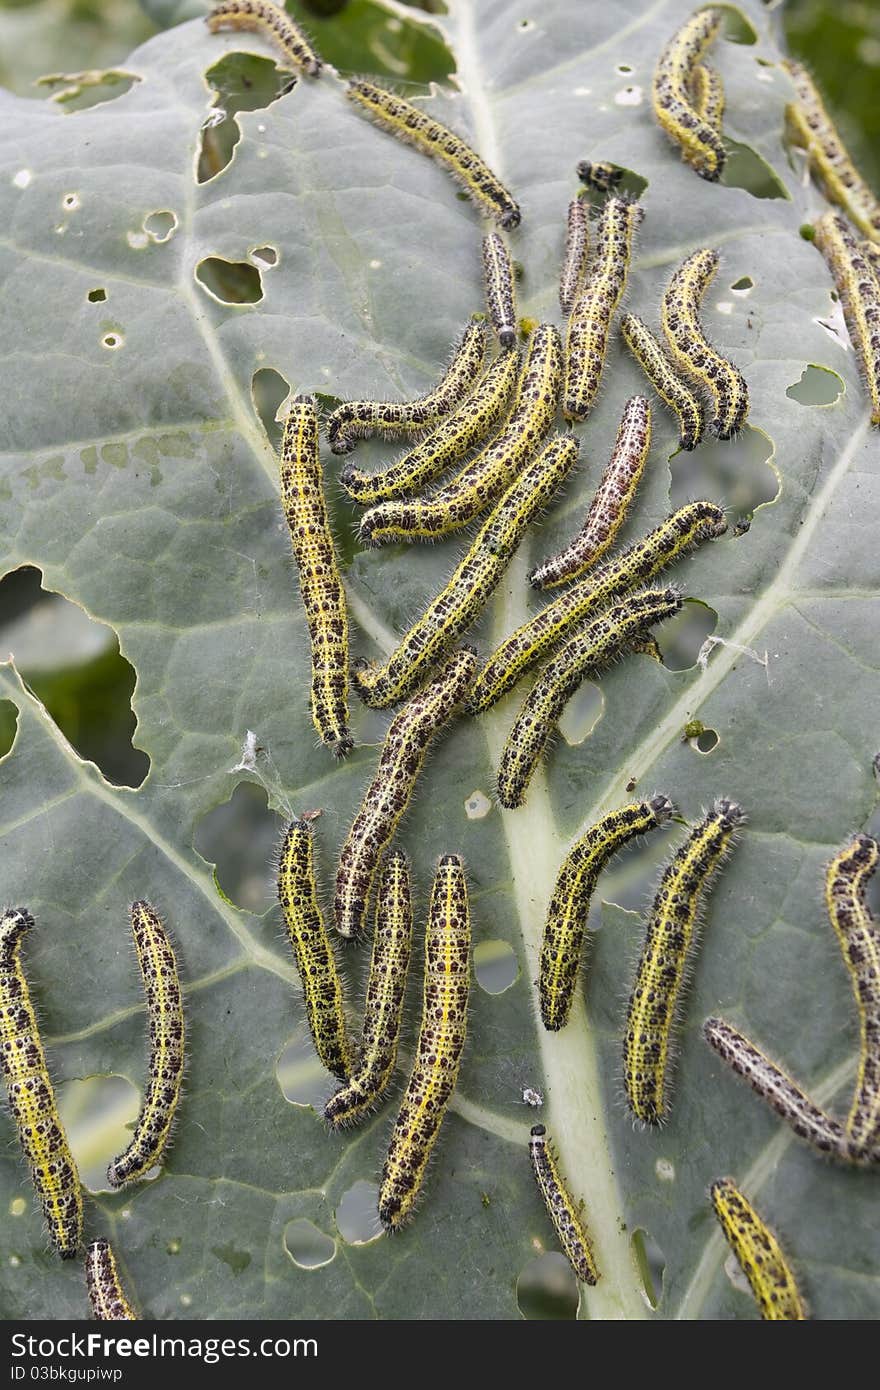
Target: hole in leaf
[
  {"x": 706, "y": 741},
  {"x": 301, "y": 1076},
  {"x": 477, "y": 805},
  {"x": 18, "y": 1206},
  {"x": 357, "y": 1220},
  {"x": 306, "y": 1245},
  {"x": 582, "y": 714},
  {"x": 743, "y": 284},
  {"x": 736, "y": 27},
  {"x": 239, "y": 839},
  {"x": 495, "y": 966},
  {"x": 736, "y": 472},
  {"x": 73, "y": 665},
  {"x": 265, "y": 256},
  {"x": 746, "y": 169},
  {"x": 817, "y": 386},
  {"x": 112, "y": 341},
  {"x": 268, "y": 391},
  {"x": 77, "y": 91},
  {"x": 681, "y": 638},
  {"x": 98, "y": 1113},
  {"x": 160, "y": 225},
  {"x": 547, "y": 1289},
  {"x": 230, "y": 282},
  {"x": 623, "y": 69},
  {"x": 8, "y": 726},
  {"x": 97, "y": 296},
  {"x": 651, "y": 1264},
  {"x": 240, "y": 82}
]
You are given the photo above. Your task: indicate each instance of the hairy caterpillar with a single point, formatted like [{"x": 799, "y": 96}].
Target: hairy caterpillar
[
  {"x": 386, "y": 987},
  {"x": 859, "y": 289},
  {"x": 407, "y": 741},
  {"x": 662, "y": 967},
  {"x": 429, "y": 137},
  {"x": 577, "y": 249},
  {"x": 466, "y": 427},
  {"x": 158, "y": 965},
  {"x": 570, "y": 904},
  {"x": 722, "y": 382},
  {"x": 439, "y": 1045},
  {"x": 500, "y": 293},
  {"x": 312, "y": 949},
  {"x": 600, "y": 175},
  {"x": 355, "y": 420},
  {"x": 707, "y": 94},
  {"x": 464, "y": 497},
  {"x": 845, "y": 881},
  {"x": 783, "y": 1095},
  {"x": 31, "y": 1094},
  {"x": 673, "y": 392},
  {"x": 685, "y": 528},
  {"x": 107, "y": 1298},
  {"x": 758, "y": 1253},
  {"x": 586, "y": 341},
  {"x": 699, "y": 141},
  {"x": 565, "y": 1215},
  {"x": 871, "y": 252},
  {"x": 608, "y": 509},
  {"x": 810, "y": 126},
  {"x": 473, "y": 581},
  {"x": 590, "y": 648},
  {"x": 271, "y": 20},
  {"x": 320, "y": 583}
]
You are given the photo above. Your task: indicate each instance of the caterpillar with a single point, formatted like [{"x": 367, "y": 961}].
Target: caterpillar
[
  {"x": 685, "y": 528},
  {"x": 589, "y": 323},
  {"x": 672, "y": 390},
  {"x": 608, "y": 509},
  {"x": 707, "y": 95},
  {"x": 601, "y": 176},
  {"x": 473, "y": 581},
  {"x": 859, "y": 289},
  {"x": 577, "y": 249},
  {"x": 758, "y": 1254},
  {"x": 355, "y": 420},
  {"x": 691, "y": 350},
  {"x": 661, "y": 971},
  {"x": 158, "y": 966},
  {"x": 845, "y": 881},
  {"x": 599, "y": 642},
  {"x": 107, "y": 1298},
  {"x": 32, "y": 1096},
  {"x": 271, "y": 20},
  {"x": 468, "y": 494},
  {"x": 438, "y": 1048},
  {"x": 429, "y": 137},
  {"x": 564, "y": 1214},
  {"x": 312, "y": 949},
  {"x": 570, "y": 904},
  {"x": 466, "y": 427},
  {"x": 386, "y": 987},
  {"x": 406, "y": 743},
  {"x": 806, "y": 1119},
  {"x": 699, "y": 141},
  {"x": 500, "y": 293},
  {"x": 320, "y": 583},
  {"x": 810, "y": 126},
  {"x": 871, "y": 252}
]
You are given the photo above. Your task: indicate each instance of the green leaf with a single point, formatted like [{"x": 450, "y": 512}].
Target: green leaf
[{"x": 139, "y": 479}]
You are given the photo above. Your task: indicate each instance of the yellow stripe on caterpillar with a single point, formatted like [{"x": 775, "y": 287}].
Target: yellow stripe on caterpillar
[
  {"x": 586, "y": 341},
  {"x": 473, "y": 581},
  {"x": 707, "y": 95},
  {"x": 662, "y": 969},
  {"x": 858, "y": 286},
  {"x": 611, "y": 500},
  {"x": 700, "y": 143},
  {"x": 383, "y": 1005},
  {"x": 154, "y": 1125},
  {"x": 809, "y": 125},
  {"x": 569, "y": 908},
  {"x": 846, "y": 879},
  {"x": 409, "y": 736},
  {"x": 577, "y": 250},
  {"x": 274, "y": 22},
  {"x": 429, "y": 137},
  {"x": 355, "y": 420},
  {"x": 320, "y": 583},
  {"x": 499, "y": 286},
  {"x": 462, "y": 499},
  {"x": 32, "y": 1096},
  {"x": 312, "y": 950},
  {"x": 564, "y": 1214},
  {"x": 672, "y": 390},
  {"x": 693, "y": 354},
  {"x": 107, "y": 1298},
  {"x": 598, "y": 643},
  {"x": 438, "y": 1047},
  {"x": 759, "y": 1255}
]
